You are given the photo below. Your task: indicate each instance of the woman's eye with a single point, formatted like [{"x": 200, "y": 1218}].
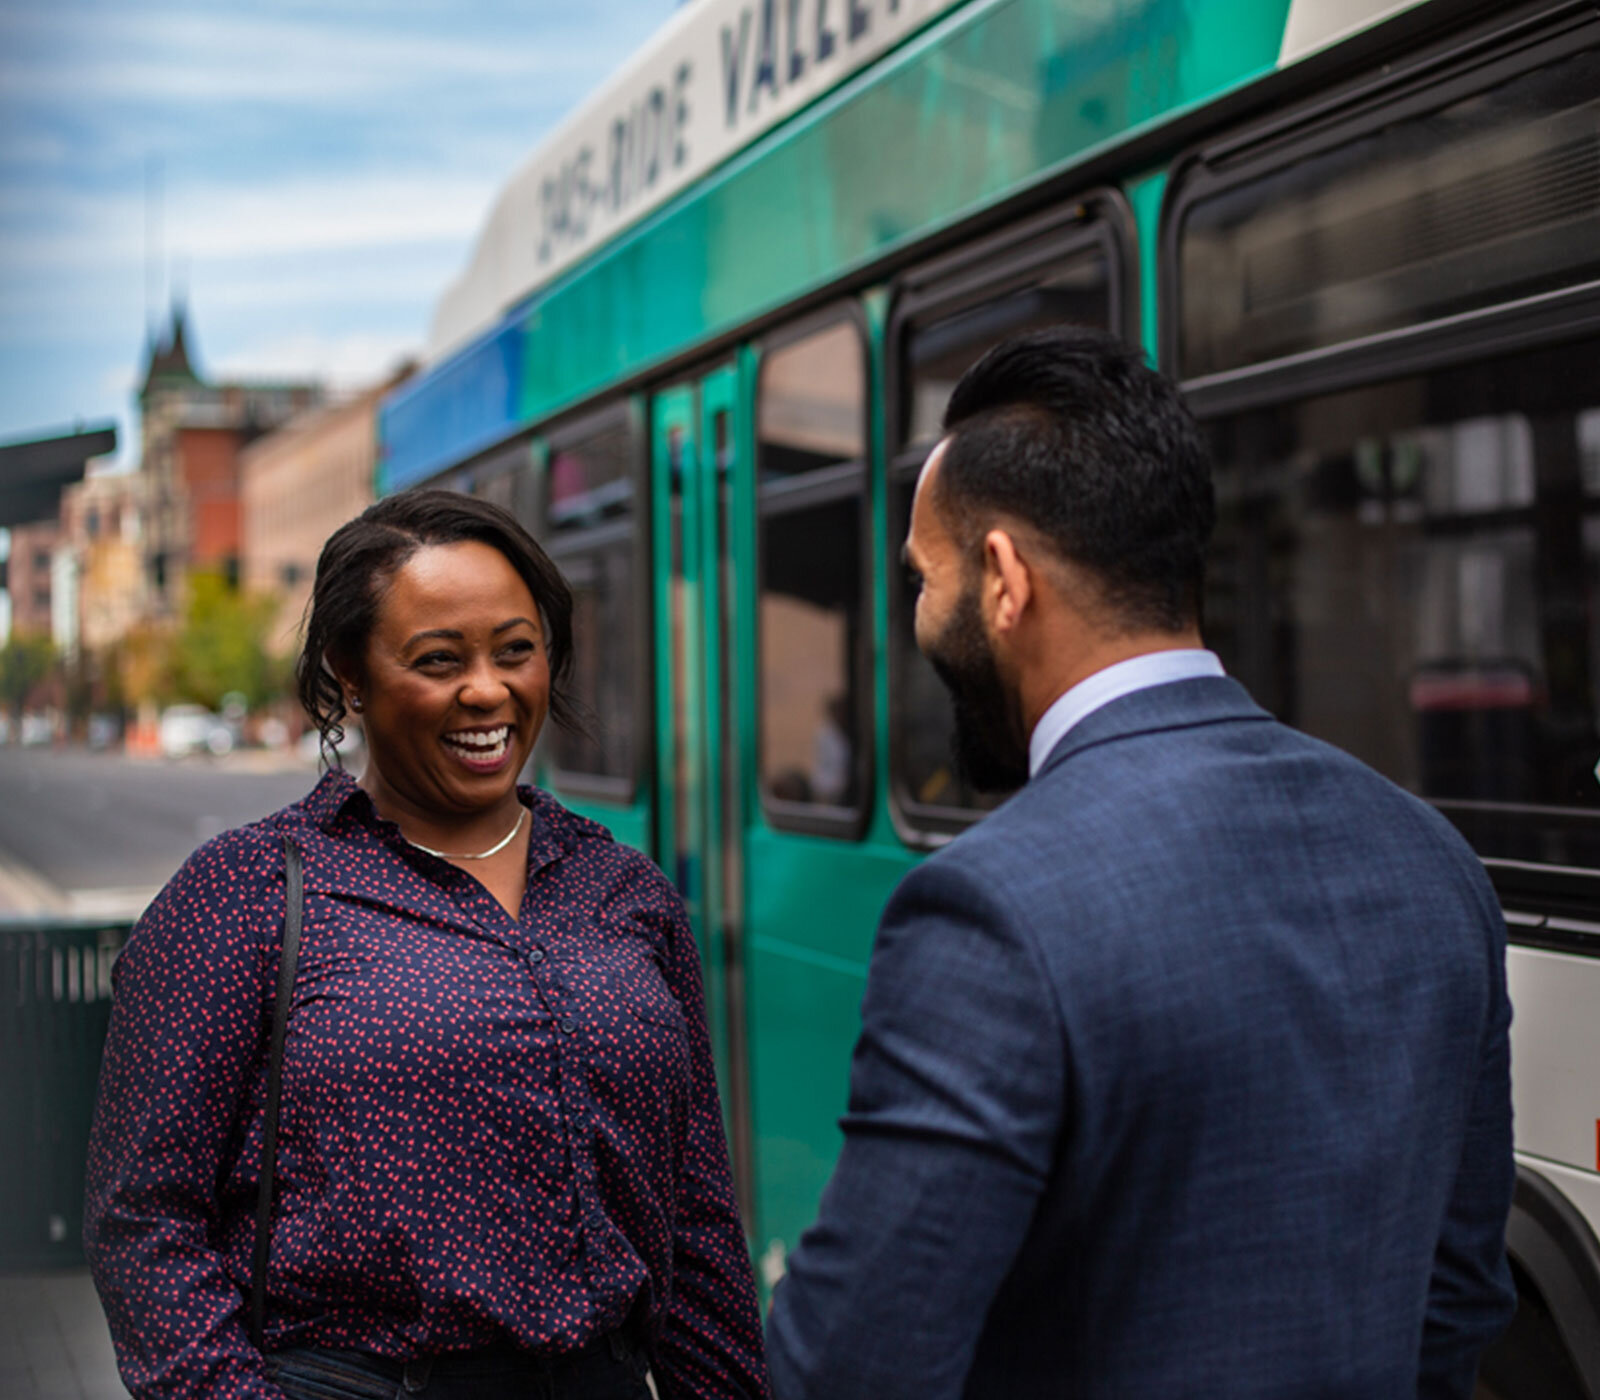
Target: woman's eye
[
  {"x": 517, "y": 650},
  {"x": 434, "y": 660}
]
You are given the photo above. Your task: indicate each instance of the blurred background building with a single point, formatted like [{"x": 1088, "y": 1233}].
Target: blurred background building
[
  {"x": 191, "y": 438},
  {"x": 297, "y": 486}
]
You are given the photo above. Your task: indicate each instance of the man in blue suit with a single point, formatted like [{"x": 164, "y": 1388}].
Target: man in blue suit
[{"x": 1185, "y": 1073}]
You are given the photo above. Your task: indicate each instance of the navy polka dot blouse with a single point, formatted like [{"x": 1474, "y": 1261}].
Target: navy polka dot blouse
[{"x": 493, "y": 1130}]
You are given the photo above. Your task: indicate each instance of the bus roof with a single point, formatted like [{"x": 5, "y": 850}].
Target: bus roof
[{"x": 715, "y": 77}]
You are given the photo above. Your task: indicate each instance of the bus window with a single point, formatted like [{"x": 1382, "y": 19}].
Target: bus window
[
  {"x": 811, "y": 467},
  {"x": 1411, "y": 570},
  {"x": 935, "y": 339},
  {"x": 939, "y": 348},
  {"x": 1488, "y": 200},
  {"x": 591, "y": 528},
  {"x": 504, "y": 476},
  {"x": 1407, "y": 558}
]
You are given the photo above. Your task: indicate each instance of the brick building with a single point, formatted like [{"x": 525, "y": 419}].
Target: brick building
[
  {"x": 29, "y": 576},
  {"x": 298, "y": 485},
  {"x": 102, "y": 523},
  {"x": 192, "y": 435}
]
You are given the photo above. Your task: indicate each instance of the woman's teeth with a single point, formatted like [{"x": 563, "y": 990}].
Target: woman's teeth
[{"x": 482, "y": 746}]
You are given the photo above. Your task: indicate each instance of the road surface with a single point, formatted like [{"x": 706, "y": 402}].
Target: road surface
[{"x": 98, "y": 834}]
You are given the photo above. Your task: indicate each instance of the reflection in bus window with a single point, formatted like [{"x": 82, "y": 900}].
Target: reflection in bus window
[
  {"x": 603, "y": 671},
  {"x": 589, "y": 528},
  {"x": 811, "y": 411},
  {"x": 936, "y": 349},
  {"x": 810, "y": 459},
  {"x": 591, "y": 478},
  {"x": 1485, "y": 201},
  {"x": 1412, "y": 572},
  {"x": 940, "y": 350}
]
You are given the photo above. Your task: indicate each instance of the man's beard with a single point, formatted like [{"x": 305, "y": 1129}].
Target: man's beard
[{"x": 990, "y": 750}]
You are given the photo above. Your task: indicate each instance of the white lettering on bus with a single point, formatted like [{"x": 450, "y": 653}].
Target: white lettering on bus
[
  {"x": 771, "y": 46},
  {"x": 642, "y": 144}
]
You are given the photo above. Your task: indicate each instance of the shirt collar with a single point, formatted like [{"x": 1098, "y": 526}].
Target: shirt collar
[
  {"x": 1125, "y": 677},
  {"x": 338, "y": 792}
]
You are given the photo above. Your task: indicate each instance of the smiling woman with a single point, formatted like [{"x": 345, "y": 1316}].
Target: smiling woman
[{"x": 501, "y": 1164}]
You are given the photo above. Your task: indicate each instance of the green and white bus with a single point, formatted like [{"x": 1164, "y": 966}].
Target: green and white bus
[{"x": 703, "y": 345}]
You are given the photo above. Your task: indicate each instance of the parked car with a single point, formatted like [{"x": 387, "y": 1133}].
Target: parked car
[
  {"x": 187, "y": 729},
  {"x": 37, "y": 730}
]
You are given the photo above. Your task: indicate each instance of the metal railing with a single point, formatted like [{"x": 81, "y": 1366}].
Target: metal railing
[{"x": 55, "y": 1007}]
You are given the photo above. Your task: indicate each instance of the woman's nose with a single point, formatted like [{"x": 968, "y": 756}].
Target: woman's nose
[{"x": 482, "y": 689}]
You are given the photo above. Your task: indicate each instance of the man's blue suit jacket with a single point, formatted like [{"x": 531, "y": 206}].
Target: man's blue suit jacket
[{"x": 1185, "y": 1073}]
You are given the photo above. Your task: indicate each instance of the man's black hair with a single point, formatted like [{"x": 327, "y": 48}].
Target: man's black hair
[{"x": 1069, "y": 431}]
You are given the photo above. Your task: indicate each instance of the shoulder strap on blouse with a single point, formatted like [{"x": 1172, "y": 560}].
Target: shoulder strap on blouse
[{"x": 294, "y": 904}]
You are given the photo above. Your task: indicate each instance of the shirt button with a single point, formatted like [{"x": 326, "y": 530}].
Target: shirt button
[
  {"x": 536, "y": 956},
  {"x": 568, "y": 1024}
]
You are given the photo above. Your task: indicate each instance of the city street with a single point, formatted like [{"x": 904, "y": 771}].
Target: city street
[{"x": 98, "y": 834}]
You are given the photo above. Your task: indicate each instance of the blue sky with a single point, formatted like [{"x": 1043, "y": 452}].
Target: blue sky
[{"x": 324, "y": 168}]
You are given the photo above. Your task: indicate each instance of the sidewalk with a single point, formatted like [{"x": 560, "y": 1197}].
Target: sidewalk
[{"x": 53, "y": 1339}]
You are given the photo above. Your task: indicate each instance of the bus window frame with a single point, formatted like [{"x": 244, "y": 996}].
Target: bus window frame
[
  {"x": 515, "y": 457},
  {"x": 814, "y": 488},
  {"x": 984, "y": 269},
  {"x": 572, "y": 429},
  {"x": 1538, "y": 898},
  {"x": 1436, "y": 77}
]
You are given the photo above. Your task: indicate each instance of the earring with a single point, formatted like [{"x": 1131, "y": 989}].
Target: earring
[{"x": 355, "y": 703}]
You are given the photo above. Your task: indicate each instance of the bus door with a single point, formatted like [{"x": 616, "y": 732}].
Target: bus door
[{"x": 699, "y": 797}]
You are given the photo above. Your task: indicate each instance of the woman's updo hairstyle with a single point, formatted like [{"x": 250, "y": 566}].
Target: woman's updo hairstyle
[{"x": 360, "y": 560}]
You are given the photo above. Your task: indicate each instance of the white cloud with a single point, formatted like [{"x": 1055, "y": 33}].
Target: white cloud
[
  {"x": 328, "y": 213},
  {"x": 177, "y": 56},
  {"x": 301, "y": 215},
  {"x": 344, "y": 362}
]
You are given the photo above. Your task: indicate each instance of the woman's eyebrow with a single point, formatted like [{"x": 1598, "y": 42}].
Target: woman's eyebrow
[{"x": 450, "y": 634}]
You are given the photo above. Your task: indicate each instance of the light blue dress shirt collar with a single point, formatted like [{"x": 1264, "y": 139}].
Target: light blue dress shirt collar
[{"x": 1136, "y": 673}]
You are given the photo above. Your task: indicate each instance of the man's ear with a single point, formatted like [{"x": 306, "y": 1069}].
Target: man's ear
[{"x": 1008, "y": 583}]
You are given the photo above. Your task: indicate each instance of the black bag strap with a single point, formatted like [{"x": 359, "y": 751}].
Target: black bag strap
[{"x": 294, "y": 906}]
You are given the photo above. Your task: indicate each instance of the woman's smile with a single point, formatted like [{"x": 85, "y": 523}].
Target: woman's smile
[{"x": 482, "y": 750}]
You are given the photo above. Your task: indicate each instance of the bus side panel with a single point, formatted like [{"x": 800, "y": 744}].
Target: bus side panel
[
  {"x": 630, "y": 825},
  {"x": 813, "y": 908},
  {"x": 956, "y": 121},
  {"x": 1555, "y": 1047}
]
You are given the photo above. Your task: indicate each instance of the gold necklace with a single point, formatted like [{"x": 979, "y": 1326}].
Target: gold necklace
[{"x": 493, "y": 850}]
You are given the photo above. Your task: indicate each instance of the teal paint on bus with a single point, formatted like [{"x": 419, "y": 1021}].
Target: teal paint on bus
[
  {"x": 813, "y": 907},
  {"x": 1144, "y": 197},
  {"x": 630, "y": 825},
  {"x": 982, "y": 104}
]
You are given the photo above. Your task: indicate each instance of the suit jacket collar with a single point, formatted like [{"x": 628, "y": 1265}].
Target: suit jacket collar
[{"x": 1176, "y": 705}]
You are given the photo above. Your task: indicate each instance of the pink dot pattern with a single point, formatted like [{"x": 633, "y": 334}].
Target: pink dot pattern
[{"x": 493, "y": 1129}]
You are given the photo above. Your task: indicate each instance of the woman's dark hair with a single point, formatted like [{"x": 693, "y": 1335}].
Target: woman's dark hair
[
  {"x": 1070, "y": 431},
  {"x": 360, "y": 560}
]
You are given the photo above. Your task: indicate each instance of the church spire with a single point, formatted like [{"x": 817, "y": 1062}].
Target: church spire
[{"x": 169, "y": 363}]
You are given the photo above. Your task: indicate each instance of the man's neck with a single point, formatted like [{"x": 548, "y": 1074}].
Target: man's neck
[{"x": 1068, "y": 666}]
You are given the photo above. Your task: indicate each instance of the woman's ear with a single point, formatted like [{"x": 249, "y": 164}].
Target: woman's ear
[{"x": 346, "y": 678}]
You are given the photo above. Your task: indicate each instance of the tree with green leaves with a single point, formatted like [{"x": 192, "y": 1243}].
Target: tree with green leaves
[
  {"x": 221, "y": 646},
  {"x": 25, "y": 661}
]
